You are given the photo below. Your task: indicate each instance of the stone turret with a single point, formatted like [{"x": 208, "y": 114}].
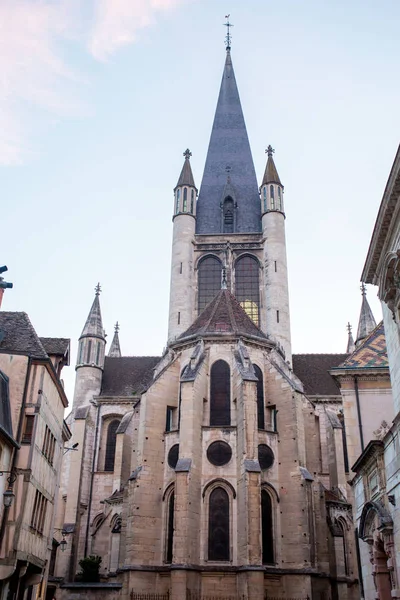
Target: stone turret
[
  {"x": 90, "y": 358},
  {"x": 275, "y": 262},
  {"x": 366, "y": 322},
  {"x": 181, "y": 303},
  {"x": 115, "y": 348}
]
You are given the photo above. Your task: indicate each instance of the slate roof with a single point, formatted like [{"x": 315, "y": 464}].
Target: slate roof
[
  {"x": 371, "y": 353},
  {"x": 94, "y": 323},
  {"x": 186, "y": 176},
  {"x": 313, "y": 371},
  {"x": 229, "y": 152},
  {"x": 223, "y": 315},
  {"x": 271, "y": 173},
  {"x": 115, "y": 348},
  {"x": 18, "y": 335},
  {"x": 58, "y": 346},
  {"x": 127, "y": 375}
]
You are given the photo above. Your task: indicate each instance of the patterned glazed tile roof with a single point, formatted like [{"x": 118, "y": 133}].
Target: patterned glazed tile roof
[
  {"x": 18, "y": 335},
  {"x": 223, "y": 315},
  {"x": 313, "y": 372},
  {"x": 229, "y": 153},
  {"x": 127, "y": 375},
  {"x": 371, "y": 353}
]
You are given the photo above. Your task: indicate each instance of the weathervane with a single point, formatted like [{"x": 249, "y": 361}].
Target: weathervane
[
  {"x": 97, "y": 289},
  {"x": 228, "y": 37},
  {"x": 269, "y": 150}
]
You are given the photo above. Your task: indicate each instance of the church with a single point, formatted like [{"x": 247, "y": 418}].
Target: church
[{"x": 217, "y": 470}]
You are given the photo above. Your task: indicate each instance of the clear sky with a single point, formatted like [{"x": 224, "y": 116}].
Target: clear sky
[{"x": 98, "y": 101}]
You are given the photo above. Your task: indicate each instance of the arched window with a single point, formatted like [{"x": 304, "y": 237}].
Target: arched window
[
  {"x": 170, "y": 528},
  {"x": 80, "y": 352},
  {"x": 267, "y": 529},
  {"x": 98, "y": 353},
  {"x": 228, "y": 216},
  {"x": 220, "y": 394},
  {"x": 279, "y": 199},
  {"x": 110, "y": 445},
  {"x": 89, "y": 351},
  {"x": 272, "y": 196},
  {"x": 210, "y": 270},
  {"x": 178, "y": 196},
  {"x": 260, "y": 398},
  {"x": 192, "y": 201},
  {"x": 184, "y": 199},
  {"x": 247, "y": 286},
  {"x": 265, "y": 197},
  {"x": 218, "y": 525}
]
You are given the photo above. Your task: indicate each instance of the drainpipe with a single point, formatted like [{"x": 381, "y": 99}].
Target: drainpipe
[
  {"x": 91, "y": 481},
  {"x": 359, "y": 412}
]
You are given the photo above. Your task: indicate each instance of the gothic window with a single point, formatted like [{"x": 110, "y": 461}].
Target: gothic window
[
  {"x": 192, "y": 201},
  {"x": 184, "y": 199},
  {"x": 209, "y": 280},
  {"x": 272, "y": 196},
  {"x": 265, "y": 197},
  {"x": 110, "y": 445},
  {"x": 279, "y": 199},
  {"x": 267, "y": 529},
  {"x": 228, "y": 216},
  {"x": 80, "y": 353},
  {"x": 220, "y": 394},
  {"x": 247, "y": 286},
  {"x": 98, "y": 353},
  {"x": 260, "y": 398},
  {"x": 170, "y": 528},
  {"x": 178, "y": 195},
  {"x": 89, "y": 351},
  {"x": 218, "y": 525}
]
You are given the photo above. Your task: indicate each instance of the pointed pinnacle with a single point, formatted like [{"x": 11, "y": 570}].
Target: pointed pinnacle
[{"x": 97, "y": 289}]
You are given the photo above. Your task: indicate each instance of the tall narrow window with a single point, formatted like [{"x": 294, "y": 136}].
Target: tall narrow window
[
  {"x": 209, "y": 280},
  {"x": 247, "y": 286},
  {"x": 178, "y": 196},
  {"x": 218, "y": 525},
  {"x": 267, "y": 529},
  {"x": 28, "y": 429},
  {"x": 220, "y": 394},
  {"x": 170, "y": 528},
  {"x": 5, "y": 414},
  {"x": 265, "y": 197},
  {"x": 184, "y": 199},
  {"x": 228, "y": 216},
  {"x": 110, "y": 446},
  {"x": 272, "y": 197},
  {"x": 279, "y": 199},
  {"x": 89, "y": 351},
  {"x": 80, "y": 352},
  {"x": 192, "y": 201},
  {"x": 98, "y": 353},
  {"x": 260, "y": 398}
]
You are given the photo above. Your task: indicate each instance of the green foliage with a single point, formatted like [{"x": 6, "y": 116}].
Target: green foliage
[{"x": 90, "y": 566}]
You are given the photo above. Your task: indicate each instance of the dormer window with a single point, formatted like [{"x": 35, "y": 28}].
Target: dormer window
[
  {"x": 272, "y": 197},
  {"x": 228, "y": 216},
  {"x": 185, "y": 200}
]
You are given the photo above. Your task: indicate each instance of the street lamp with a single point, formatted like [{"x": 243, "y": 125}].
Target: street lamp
[{"x": 8, "y": 495}]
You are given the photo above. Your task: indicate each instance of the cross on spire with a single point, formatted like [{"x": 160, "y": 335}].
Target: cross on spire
[
  {"x": 228, "y": 37},
  {"x": 187, "y": 154},
  {"x": 269, "y": 150},
  {"x": 348, "y": 328},
  {"x": 97, "y": 289},
  {"x": 116, "y": 327},
  {"x": 363, "y": 289}
]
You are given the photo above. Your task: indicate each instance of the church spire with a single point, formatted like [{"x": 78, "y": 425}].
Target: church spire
[
  {"x": 115, "y": 349},
  {"x": 229, "y": 148},
  {"x": 271, "y": 189},
  {"x": 350, "y": 342},
  {"x": 366, "y": 323},
  {"x": 94, "y": 324},
  {"x": 186, "y": 176}
]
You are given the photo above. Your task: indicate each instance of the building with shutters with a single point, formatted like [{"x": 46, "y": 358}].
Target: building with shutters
[{"x": 219, "y": 468}]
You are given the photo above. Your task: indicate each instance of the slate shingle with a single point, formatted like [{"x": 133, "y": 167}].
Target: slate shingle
[{"x": 18, "y": 335}]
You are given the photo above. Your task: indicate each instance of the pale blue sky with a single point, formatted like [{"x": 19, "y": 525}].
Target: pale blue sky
[{"x": 97, "y": 110}]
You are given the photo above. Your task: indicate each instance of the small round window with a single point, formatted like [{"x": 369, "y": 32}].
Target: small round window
[
  {"x": 219, "y": 453},
  {"x": 173, "y": 456},
  {"x": 265, "y": 456}
]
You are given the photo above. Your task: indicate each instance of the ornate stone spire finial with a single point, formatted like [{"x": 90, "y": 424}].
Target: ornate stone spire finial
[
  {"x": 269, "y": 150},
  {"x": 187, "y": 154},
  {"x": 223, "y": 279},
  {"x": 228, "y": 37},
  {"x": 116, "y": 327},
  {"x": 348, "y": 328},
  {"x": 350, "y": 342},
  {"x": 97, "y": 289},
  {"x": 363, "y": 289}
]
